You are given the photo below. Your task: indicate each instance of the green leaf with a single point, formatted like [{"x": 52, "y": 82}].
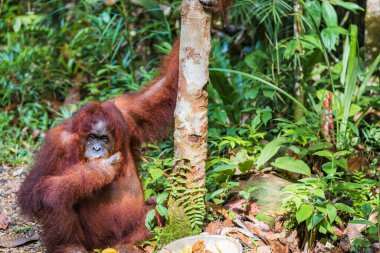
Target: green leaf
[
  {"x": 338, "y": 30},
  {"x": 297, "y": 201},
  {"x": 329, "y": 168},
  {"x": 269, "y": 151},
  {"x": 329, "y": 14},
  {"x": 338, "y": 220},
  {"x": 246, "y": 166},
  {"x": 348, "y": 5},
  {"x": 314, "y": 9},
  {"x": 217, "y": 201},
  {"x": 150, "y": 215},
  {"x": 351, "y": 79},
  {"x": 266, "y": 116},
  {"x": 322, "y": 230},
  {"x": 304, "y": 212},
  {"x": 314, "y": 221},
  {"x": 324, "y": 153},
  {"x": 156, "y": 173},
  {"x": 244, "y": 194},
  {"x": 162, "y": 197},
  {"x": 368, "y": 75},
  {"x": 319, "y": 193},
  {"x": 354, "y": 109},
  {"x": 313, "y": 181},
  {"x": 290, "y": 49},
  {"x": 17, "y": 24},
  {"x": 319, "y": 145},
  {"x": 225, "y": 167},
  {"x": 163, "y": 211},
  {"x": 331, "y": 213},
  {"x": 344, "y": 208},
  {"x": 341, "y": 163},
  {"x": 215, "y": 193},
  {"x": 221, "y": 116},
  {"x": 252, "y": 93},
  {"x": 342, "y": 153},
  {"x": 291, "y": 164},
  {"x": 348, "y": 186},
  {"x": 243, "y": 160},
  {"x": 363, "y": 222},
  {"x": 329, "y": 38},
  {"x": 148, "y": 193},
  {"x": 256, "y": 60},
  {"x": 328, "y": 226},
  {"x": 322, "y": 210}
]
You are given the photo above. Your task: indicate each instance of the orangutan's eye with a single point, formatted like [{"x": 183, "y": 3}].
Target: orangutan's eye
[
  {"x": 91, "y": 137},
  {"x": 104, "y": 139}
]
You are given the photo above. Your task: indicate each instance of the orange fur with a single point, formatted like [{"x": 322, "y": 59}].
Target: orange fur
[{"x": 77, "y": 203}]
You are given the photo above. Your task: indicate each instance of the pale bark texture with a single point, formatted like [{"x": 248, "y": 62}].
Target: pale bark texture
[
  {"x": 190, "y": 136},
  {"x": 372, "y": 30}
]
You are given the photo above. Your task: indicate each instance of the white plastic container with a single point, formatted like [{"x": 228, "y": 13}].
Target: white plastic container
[{"x": 213, "y": 243}]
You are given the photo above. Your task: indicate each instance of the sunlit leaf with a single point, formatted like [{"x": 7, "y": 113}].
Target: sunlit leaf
[
  {"x": 344, "y": 208},
  {"x": 291, "y": 164},
  {"x": 304, "y": 212},
  {"x": 329, "y": 14},
  {"x": 269, "y": 151},
  {"x": 163, "y": 211}
]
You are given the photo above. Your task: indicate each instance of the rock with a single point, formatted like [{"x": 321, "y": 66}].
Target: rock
[
  {"x": 268, "y": 194},
  {"x": 18, "y": 172}
]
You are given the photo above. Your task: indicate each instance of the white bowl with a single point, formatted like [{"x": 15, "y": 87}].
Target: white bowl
[{"x": 212, "y": 242}]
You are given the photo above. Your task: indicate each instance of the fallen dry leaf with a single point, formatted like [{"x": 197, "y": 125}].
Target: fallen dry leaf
[
  {"x": 261, "y": 225},
  {"x": 245, "y": 240},
  {"x": 254, "y": 209},
  {"x": 357, "y": 163},
  {"x": 14, "y": 240},
  {"x": 292, "y": 240},
  {"x": 4, "y": 221},
  {"x": 278, "y": 223},
  {"x": 263, "y": 249},
  {"x": 228, "y": 223},
  {"x": 243, "y": 228},
  {"x": 344, "y": 244},
  {"x": 353, "y": 231},
  {"x": 237, "y": 205},
  {"x": 214, "y": 228},
  {"x": 338, "y": 232},
  {"x": 199, "y": 246},
  {"x": 277, "y": 246},
  {"x": 109, "y": 2},
  {"x": 217, "y": 209},
  {"x": 10, "y": 107}
]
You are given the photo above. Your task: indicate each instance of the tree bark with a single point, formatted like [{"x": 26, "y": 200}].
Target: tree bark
[
  {"x": 190, "y": 135},
  {"x": 372, "y": 30},
  {"x": 298, "y": 71}
]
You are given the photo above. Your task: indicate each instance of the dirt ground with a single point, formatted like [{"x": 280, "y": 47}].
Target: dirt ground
[{"x": 10, "y": 181}]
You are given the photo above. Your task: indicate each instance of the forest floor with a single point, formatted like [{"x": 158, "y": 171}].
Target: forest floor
[
  {"x": 12, "y": 223},
  {"x": 254, "y": 235},
  {"x": 15, "y": 227}
]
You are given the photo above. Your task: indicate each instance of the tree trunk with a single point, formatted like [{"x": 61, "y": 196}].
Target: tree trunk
[
  {"x": 298, "y": 71},
  {"x": 372, "y": 30},
  {"x": 190, "y": 135}
]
